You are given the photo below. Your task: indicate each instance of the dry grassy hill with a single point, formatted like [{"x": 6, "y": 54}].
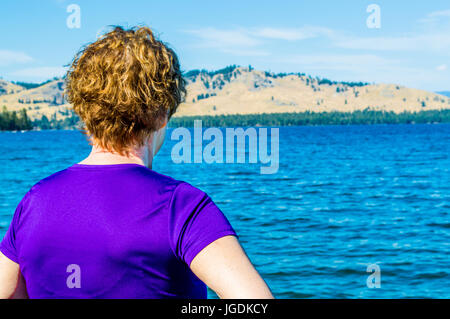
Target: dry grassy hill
[
  {"x": 9, "y": 88},
  {"x": 239, "y": 90},
  {"x": 43, "y": 100}
]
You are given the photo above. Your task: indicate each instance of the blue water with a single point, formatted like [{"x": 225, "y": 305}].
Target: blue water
[{"x": 345, "y": 197}]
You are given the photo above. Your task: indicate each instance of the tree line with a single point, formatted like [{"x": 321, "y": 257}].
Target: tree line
[
  {"x": 366, "y": 117},
  {"x": 14, "y": 121},
  {"x": 17, "y": 121}
]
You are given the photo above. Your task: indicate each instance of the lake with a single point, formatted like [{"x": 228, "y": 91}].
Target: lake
[{"x": 344, "y": 198}]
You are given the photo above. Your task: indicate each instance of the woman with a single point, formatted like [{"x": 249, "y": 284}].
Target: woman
[{"x": 110, "y": 227}]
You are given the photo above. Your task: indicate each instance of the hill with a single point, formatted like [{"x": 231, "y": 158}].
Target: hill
[
  {"x": 243, "y": 90},
  {"x": 9, "y": 88}
]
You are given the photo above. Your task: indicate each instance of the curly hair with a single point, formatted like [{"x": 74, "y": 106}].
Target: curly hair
[{"x": 123, "y": 86}]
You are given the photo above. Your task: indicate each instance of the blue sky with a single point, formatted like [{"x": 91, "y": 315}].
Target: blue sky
[{"x": 322, "y": 38}]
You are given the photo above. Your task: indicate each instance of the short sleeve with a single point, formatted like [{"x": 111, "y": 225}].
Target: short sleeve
[
  {"x": 195, "y": 222},
  {"x": 8, "y": 246}
]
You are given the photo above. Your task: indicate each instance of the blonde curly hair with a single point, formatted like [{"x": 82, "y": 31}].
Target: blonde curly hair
[{"x": 123, "y": 86}]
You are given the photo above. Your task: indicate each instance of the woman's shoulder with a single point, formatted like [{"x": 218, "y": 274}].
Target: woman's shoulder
[
  {"x": 45, "y": 181},
  {"x": 177, "y": 186}
]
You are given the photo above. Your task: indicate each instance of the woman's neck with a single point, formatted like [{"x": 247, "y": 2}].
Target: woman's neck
[{"x": 99, "y": 156}]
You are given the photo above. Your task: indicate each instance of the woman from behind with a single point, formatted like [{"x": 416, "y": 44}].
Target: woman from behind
[{"x": 110, "y": 226}]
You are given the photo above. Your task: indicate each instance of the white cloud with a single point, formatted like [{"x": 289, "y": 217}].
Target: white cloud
[
  {"x": 40, "y": 72},
  {"x": 291, "y": 34},
  {"x": 434, "y": 38},
  {"x": 435, "y": 16},
  {"x": 8, "y": 57},
  {"x": 441, "y": 67},
  {"x": 439, "y": 42},
  {"x": 244, "y": 52},
  {"x": 353, "y": 62},
  {"x": 444, "y": 13},
  {"x": 241, "y": 39},
  {"x": 245, "y": 41},
  {"x": 215, "y": 38}
]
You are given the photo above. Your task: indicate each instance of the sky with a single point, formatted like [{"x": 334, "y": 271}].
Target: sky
[{"x": 407, "y": 43}]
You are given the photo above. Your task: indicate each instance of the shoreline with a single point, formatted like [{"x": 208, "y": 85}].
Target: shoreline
[
  {"x": 311, "y": 118},
  {"x": 258, "y": 126},
  {"x": 308, "y": 118}
]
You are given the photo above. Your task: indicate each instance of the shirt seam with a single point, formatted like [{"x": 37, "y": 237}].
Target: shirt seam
[
  {"x": 9, "y": 254},
  {"x": 104, "y": 167}
]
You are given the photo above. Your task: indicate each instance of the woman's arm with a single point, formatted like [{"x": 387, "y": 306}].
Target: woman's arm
[
  {"x": 12, "y": 284},
  {"x": 225, "y": 268}
]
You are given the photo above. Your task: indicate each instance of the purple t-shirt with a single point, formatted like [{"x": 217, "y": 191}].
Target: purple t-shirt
[{"x": 112, "y": 231}]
